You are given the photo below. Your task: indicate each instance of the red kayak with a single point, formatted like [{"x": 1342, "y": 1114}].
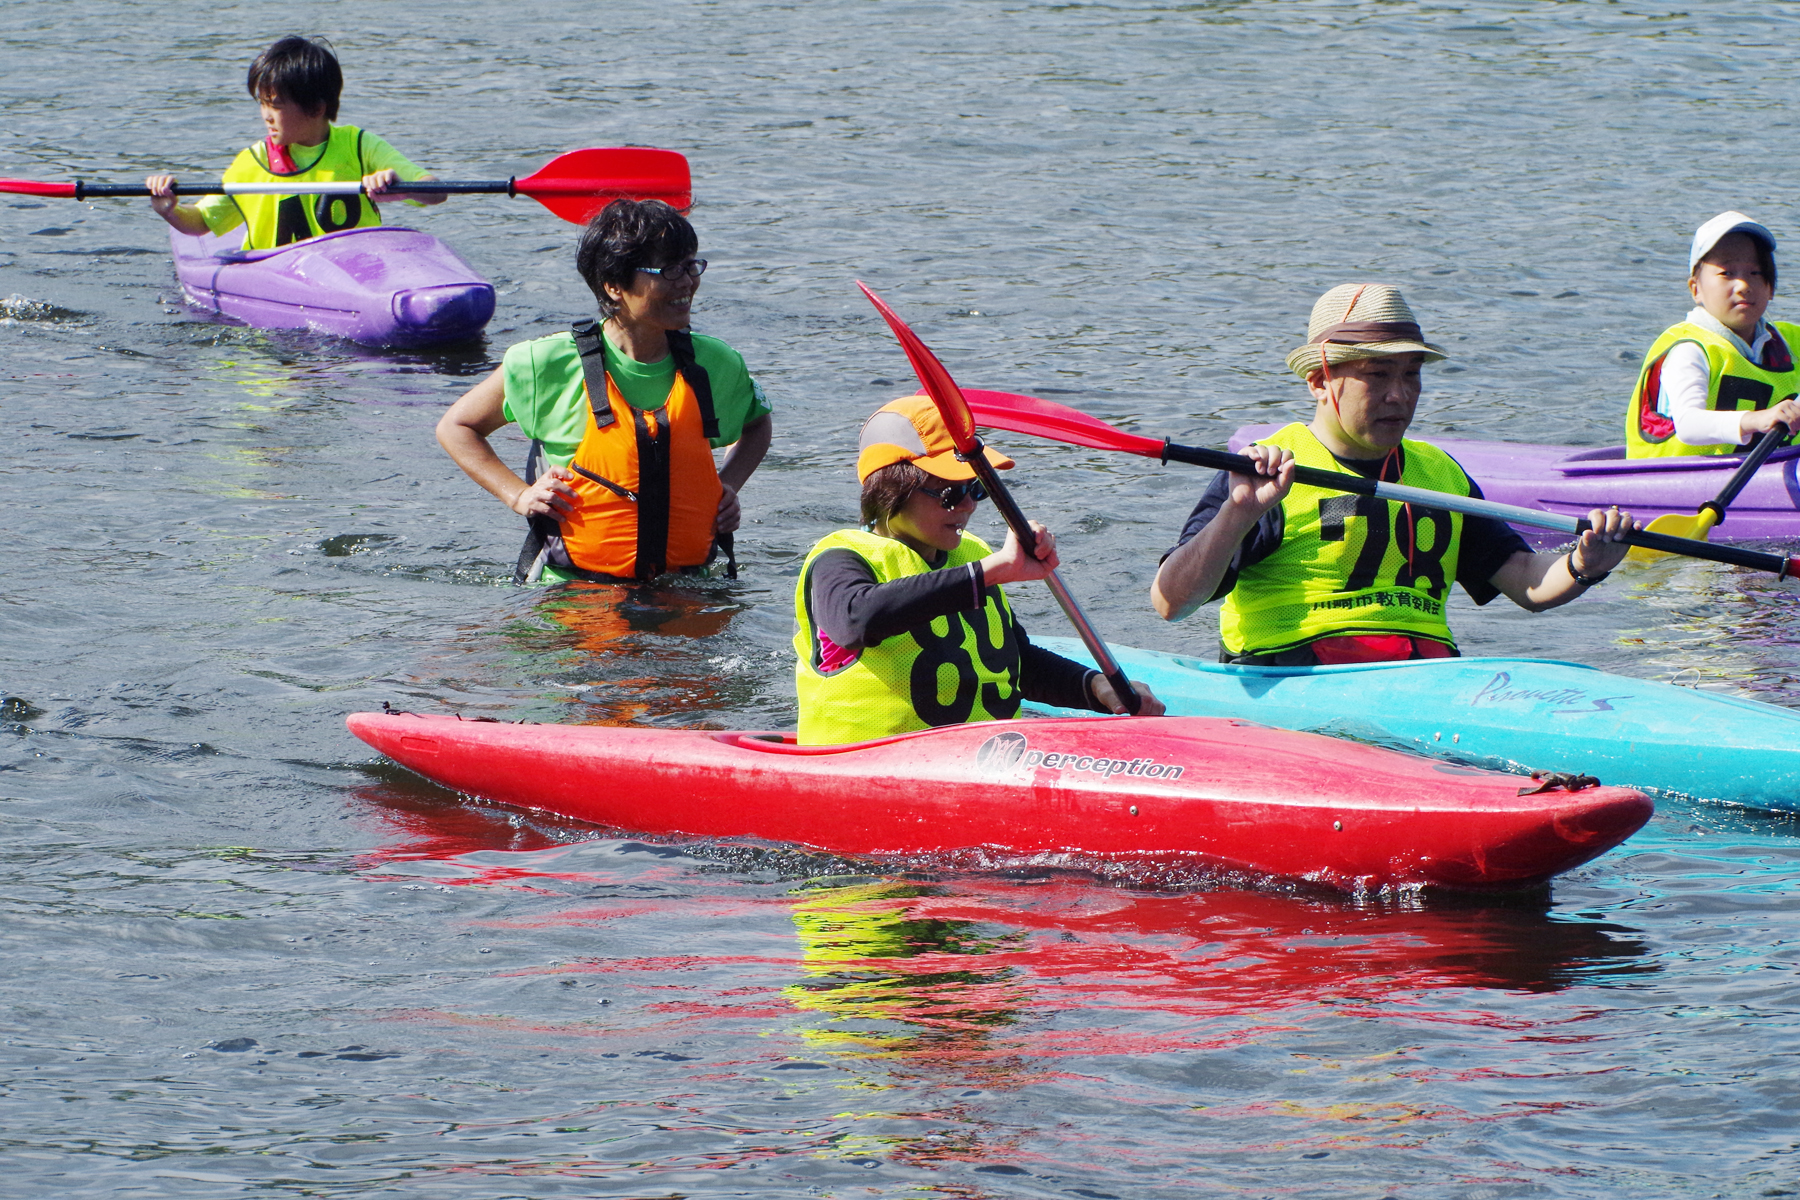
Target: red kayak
[{"x": 1181, "y": 794}]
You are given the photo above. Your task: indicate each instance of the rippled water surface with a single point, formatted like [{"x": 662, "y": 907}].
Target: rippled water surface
[{"x": 245, "y": 957}]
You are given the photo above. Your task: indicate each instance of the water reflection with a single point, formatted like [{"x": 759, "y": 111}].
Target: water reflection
[
  {"x": 899, "y": 949},
  {"x": 1719, "y": 628},
  {"x": 607, "y": 619},
  {"x": 922, "y": 994},
  {"x": 637, "y": 655},
  {"x": 911, "y": 964},
  {"x": 893, "y": 980},
  {"x": 417, "y": 819}
]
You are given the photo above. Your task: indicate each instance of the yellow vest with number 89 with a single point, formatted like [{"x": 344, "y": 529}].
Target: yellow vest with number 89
[{"x": 955, "y": 668}]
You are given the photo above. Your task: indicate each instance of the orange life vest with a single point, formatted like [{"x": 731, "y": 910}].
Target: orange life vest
[{"x": 646, "y": 490}]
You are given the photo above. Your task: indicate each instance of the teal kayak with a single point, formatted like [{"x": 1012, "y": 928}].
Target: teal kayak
[{"x": 1510, "y": 714}]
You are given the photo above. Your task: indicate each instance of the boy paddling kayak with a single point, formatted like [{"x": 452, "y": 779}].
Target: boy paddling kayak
[
  {"x": 297, "y": 83},
  {"x": 1313, "y": 577}
]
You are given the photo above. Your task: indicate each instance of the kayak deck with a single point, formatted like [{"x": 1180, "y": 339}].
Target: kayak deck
[
  {"x": 1187, "y": 795},
  {"x": 1512, "y": 714},
  {"x": 385, "y": 285}
]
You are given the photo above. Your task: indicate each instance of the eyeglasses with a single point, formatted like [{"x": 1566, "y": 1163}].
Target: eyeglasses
[
  {"x": 693, "y": 268},
  {"x": 952, "y": 495}
]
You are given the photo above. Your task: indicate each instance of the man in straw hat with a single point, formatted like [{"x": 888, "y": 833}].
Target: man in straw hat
[{"x": 1311, "y": 576}]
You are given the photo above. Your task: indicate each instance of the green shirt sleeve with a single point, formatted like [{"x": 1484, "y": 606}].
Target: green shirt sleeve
[
  {"x": 221, "y": 213},
  {"x": 543, "y": 394},
  {"x": 377, "y": 155},
  {"x": 737, "y": 398}
]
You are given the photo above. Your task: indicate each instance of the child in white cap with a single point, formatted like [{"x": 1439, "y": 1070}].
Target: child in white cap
[{"x": 1724, "y": 375}]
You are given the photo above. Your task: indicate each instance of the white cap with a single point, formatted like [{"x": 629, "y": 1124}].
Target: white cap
[{"x": 1715, "y": 231}]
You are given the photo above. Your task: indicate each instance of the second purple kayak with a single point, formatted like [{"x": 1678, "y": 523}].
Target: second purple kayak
[
  {"x": 1570, "y": 480},
  {"x": 382, "y": 286}
]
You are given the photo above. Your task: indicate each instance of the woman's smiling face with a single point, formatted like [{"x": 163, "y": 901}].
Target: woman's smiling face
[
  {"x": 654, "y": 300},
  {"x": 924, "y": 524}
]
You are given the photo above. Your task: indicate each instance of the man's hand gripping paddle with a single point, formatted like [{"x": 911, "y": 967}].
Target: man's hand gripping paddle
[
  {"x": 1060, "y": 423},
  {"x": 961, "y": 423},
  {"x": 1713, "y": 511},
  {"x": 574, "y": 186}
]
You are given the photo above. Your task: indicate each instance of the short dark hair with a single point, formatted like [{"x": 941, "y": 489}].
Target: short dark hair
[
  {"x": 889, "y": 487},
  {"x": 302, "y": 71},
  {"x": 629, "y": 234}
]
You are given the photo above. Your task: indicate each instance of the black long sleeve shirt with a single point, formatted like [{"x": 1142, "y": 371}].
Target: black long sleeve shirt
[{"x": 853, "y": 609}]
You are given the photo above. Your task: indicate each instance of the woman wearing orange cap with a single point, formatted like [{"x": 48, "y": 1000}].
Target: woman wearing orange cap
[{"x": 902, "y": 623}]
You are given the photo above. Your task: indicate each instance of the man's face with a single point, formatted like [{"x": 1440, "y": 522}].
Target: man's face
[{"x": 1375, "y": 400}]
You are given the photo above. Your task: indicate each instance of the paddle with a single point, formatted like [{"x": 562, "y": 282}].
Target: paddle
[
  {"x": 961, "y": 423},
  {"x": 1058, "y": 422},
  {"x": 1713, "y": 511},
  {"x": 574, "y": 186}
]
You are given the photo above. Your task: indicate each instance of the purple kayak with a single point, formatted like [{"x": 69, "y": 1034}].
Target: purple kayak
[
  {"x": 382, "y": 286},
  {"x": 1570, "y": 480}
]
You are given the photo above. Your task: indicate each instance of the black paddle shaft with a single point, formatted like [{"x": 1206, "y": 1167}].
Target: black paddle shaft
[
  {"x": 1758, "y": 454},
  {"x": 422, "y": 187},
  {"x": 1343, "y": 481},
  {"x": 1015, "y": 520}
]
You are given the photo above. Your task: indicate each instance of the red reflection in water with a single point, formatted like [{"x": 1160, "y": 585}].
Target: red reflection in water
[
  {"x": 1108, "y": 948},
  {"x": 980, "y": 981}
]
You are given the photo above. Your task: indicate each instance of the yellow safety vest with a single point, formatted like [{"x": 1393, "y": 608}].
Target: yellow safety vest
[
  {"x": 956, "y": 668},
  {"x": 1734, "y": 384},
  {"x": 272, "y": 221},
  {"x": 1343, "y": 565}
]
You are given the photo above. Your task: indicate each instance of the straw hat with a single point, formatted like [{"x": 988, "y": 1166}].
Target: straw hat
[{"x": 1360, "y": 320}]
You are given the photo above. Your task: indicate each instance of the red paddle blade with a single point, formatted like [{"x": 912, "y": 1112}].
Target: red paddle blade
[
  {"x": 1058, "y": 422},
  {"x": 936, "y": 380},
  {"x": 29, "y": 187},
  {"x": 580, "y": 183}
]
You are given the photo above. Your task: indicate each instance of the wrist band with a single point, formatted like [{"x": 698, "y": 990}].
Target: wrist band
[{"x": 1578, "y": 577}]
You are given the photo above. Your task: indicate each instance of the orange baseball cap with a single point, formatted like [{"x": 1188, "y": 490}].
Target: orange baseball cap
[{"x": 910, "y": 430}]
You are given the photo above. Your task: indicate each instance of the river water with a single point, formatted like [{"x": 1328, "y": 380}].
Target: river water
[{"x": 244, "y": 957}]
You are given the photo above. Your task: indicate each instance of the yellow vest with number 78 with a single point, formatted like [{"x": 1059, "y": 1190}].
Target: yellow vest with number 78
[{"x": 1350, "y": 564}]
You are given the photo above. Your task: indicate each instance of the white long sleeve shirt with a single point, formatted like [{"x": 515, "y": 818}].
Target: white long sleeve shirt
[{"x": 1686, "y": 377}]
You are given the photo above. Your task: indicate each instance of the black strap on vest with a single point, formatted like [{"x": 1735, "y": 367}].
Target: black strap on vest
[
  {"x": 591, "y": 344},
  {"x": 652, "y": 495}
]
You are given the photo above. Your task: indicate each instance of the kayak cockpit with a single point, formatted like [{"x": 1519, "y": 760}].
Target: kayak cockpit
[{"x": 787, "y": 743}]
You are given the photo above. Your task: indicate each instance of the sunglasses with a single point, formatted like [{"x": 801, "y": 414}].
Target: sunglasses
[
  {"x": 692, "y": 268},
  {"x": 952, "y": 495}
]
